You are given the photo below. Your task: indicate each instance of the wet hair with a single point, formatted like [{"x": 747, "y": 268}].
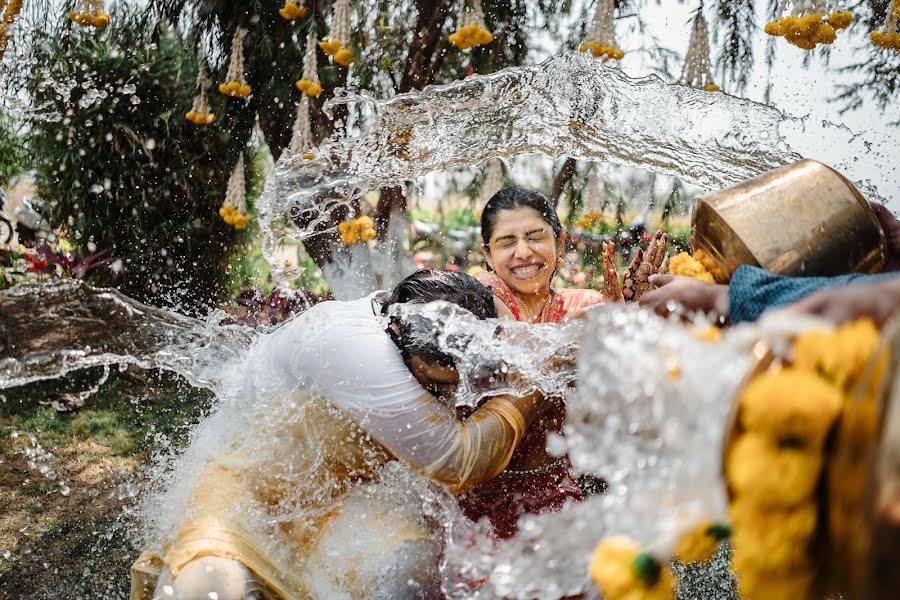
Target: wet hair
[
  {"x": 515, "y": 197},
  {"x": 431, "y": 285}
]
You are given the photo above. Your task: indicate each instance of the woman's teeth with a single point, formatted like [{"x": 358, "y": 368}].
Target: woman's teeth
[{"x": 526, "y": 271}]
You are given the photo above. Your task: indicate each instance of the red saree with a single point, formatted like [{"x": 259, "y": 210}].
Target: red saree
[{"x": 519, "y": 490}]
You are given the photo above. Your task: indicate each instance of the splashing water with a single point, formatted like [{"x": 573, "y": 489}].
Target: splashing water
[
  {"x": 569, "y": 105},
  {"x": 53, "y": 327}
]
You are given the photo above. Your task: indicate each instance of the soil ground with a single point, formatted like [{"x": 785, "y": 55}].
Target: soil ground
[{"x": 66, "y": 536}]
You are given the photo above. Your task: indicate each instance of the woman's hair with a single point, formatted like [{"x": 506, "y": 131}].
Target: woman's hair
[
  {"x": 430, "y": 285},
  {"x": 512, "y": 198}
]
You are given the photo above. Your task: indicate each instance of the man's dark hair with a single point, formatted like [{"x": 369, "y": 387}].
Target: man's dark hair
[{"x": 431, "y": 285}]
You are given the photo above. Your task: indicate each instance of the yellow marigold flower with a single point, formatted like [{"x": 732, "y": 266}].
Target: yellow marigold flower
[
  {"x": 825, "y": 34},
  {"x": 598, "y": 50},
  {"x": 773, "y": 28},
  {"x": 470, "y": 36},
  {"x": 621, "y": 572},
  {"x": 100, "y": 21},
  {"x": 700, "y": 543},
  {"x": 310, "y": 88},
  {"x": 291, "y": 11},
  {"x": 684, "y": 264},
  {"x": 344, "y": 57},
  {"x": 710, "y": 334},
  {"x": 330, "y": 47},
  {"x": 772, "y": 540},
  {"x": 367, "y": 234},
  {"x": 235, "y": 89},
  {"x": 308, "y": 156},
  {"x": 710, "y": 87},
  {"x": 890, "y": 41},
  {"x": 760, "y": 471},
  {"x": 790, "y": 407},
  {"x": 840, "y": 19},
  {"x": 303, "y": 84},
  {"x": 200, "y": 118},
  {"x": 840, "y": 356}
]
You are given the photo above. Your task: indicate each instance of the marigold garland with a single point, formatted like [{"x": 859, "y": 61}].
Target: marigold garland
[
  {"x": 588, "y": 219},
  {"x": 337, "y": 44},
  {"x": 471, "y": 29},
  {"x": 234, "y": 209},
  {"x": 622, "y": 572},
  {"x": 774, "y": 463},
  {"x": 889, "y": 37},
  {"x": 199, "y": 113},
  {"x": 301, "y": 136},
  {"x": 291, "y": 11},
  {"x": 601, "y": 42},
  {"x": 359, "y": 230},
  {"x": 808, "y": 24},
  {"x": 310, "y": 84},
  {"x": 10, "y": 13},
  {"x": 688, "y": 266},
  {"x": 89, "y": 13},
  {"x": 235, "y": 85}
]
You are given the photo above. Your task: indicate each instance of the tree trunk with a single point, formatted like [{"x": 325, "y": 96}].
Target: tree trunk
[{"x": 562, "y": 178}]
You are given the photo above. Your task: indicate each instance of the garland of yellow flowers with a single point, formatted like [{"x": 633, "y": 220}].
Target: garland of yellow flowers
[
  {"x": 471, "y": 29},
  {"x": 199, "y": 113},
  {"x": 310, "y": 83},
  {"x": 291, "y": 11},
  {"x": 356, "y": 231},
  {"x": 234, "y": 209},
  {"x": 696, "y": 72},
  {"x": 301, "y": 132},
  {"x": 889, "y": 37},
  {"x": 601, "y": 42},
  {"x": 90, "y": 13},
  {"x": 235, "y": 85},
  {"x": 10, "y": 13},
  {"x": 774, "y": 463},
  {"x": 807, "y": 25},
  {"x": 337, "y": 44},
  {"x": 691, "y": 266}
]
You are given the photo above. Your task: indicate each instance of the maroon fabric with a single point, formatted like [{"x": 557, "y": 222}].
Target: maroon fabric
[{"x": 510, "y": 495}]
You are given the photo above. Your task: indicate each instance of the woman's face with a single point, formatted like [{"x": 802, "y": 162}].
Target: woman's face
[{"x": 523, "y": 250}]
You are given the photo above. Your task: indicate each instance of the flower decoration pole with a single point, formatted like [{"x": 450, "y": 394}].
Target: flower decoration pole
[
  {"x": 337, "y": 44},
  {"x": 199, "y": 113},
  {"x": 301, "y": 136},
  {"x": 889, "y": 37},
  {"x": 10, "y": 12},
  {"x": 90, "y": 13},
  {"x": 235, "y": 85},
  {"x": 291, "y": 11},
  {"x": 471, "y": 29},
  {"x": 601, "y": 42},
  {"x": 808, "y": 23},
  {"x": 696, "y": 72},
  {"x": 310, "y": 84},
  {"x": 234, "y": 209}
]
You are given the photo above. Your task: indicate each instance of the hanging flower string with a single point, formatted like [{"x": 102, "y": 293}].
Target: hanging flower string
[
  {"x": 889, "y": 37},
  {"x": 90, "y": 13},
  {"x": 471, "y": 29},
  {"x": 357, "y": 231},
  {"x": 199, "y": 113},
  {"x": 493, "y": 181},
  {"x": 234, "y": 209},
  {"x": 10, "y": 13},
  {"x": 337, "y": 44},
  {"x": 601, "y": 42},
  {"x": 310, "y": 84},
  {"x": 696, "y": 72},
  {"x": 301, "y": 136},
  {"x": 291, "y": 11},
  {"x": 235, "y": 85},
  {"x": 808, "y": 24}
]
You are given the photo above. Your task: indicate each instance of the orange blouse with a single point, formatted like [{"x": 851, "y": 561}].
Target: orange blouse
[{"x": 562, "y": 301}]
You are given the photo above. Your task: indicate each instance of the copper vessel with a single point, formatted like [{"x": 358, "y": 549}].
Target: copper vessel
[{"x": 804, "y": 219}]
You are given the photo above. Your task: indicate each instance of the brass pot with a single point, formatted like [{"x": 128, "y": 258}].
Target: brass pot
[{"x": 804, "y": 219}]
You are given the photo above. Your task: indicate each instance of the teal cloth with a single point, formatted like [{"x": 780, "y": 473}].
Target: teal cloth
[{"x": 752, "y": 290}]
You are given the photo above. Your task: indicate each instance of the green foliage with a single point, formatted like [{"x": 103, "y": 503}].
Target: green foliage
[
  {"x": 14, "y": 156},
  {"x": 122, "y": 170}
]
